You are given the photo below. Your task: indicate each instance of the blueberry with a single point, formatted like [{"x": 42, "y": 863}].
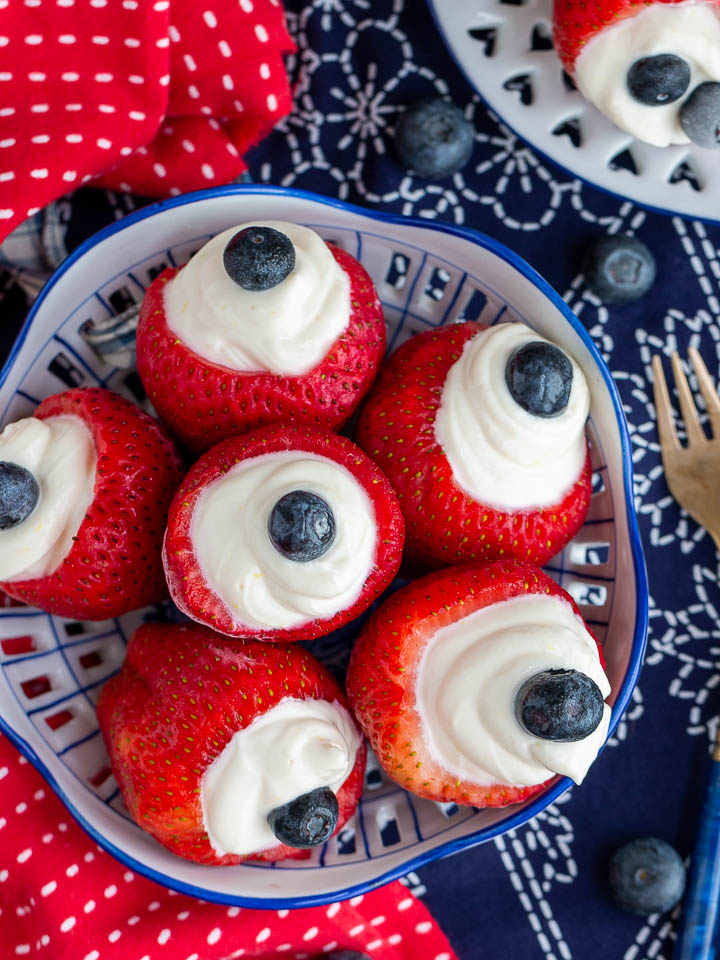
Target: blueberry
[
  {"x": 658, "y": 80},
  {"x": 258, "y": 258},
  {"x": 539, "y": 376},
  {"x": 433, "y": 139},
  {"x": 19, "y": 494},
  {"x": 560, "y": 705},
  {"x": 301, "y": 526},
  {"x": 618, "y": 269},
  {"x": 700, "y": 115},
  {"x": 647, "y": 876},
  {"x": 307, "y": 820}
]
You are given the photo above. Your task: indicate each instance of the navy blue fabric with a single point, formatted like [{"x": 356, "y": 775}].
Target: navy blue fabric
[{"x": 542, "y": 892}]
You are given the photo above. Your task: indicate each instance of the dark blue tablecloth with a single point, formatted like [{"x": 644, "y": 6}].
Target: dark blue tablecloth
[{"x": 541, "y": 892}]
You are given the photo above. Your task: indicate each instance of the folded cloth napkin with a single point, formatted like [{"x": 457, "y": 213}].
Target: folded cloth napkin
[
  {"x": 157, "y": 96},
  {"x": 64, "y": 898}
]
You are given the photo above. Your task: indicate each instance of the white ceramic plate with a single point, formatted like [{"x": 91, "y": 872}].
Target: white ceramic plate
[
  {"x": 427, "y": 274},
  {"x": 505, "y": 49}
]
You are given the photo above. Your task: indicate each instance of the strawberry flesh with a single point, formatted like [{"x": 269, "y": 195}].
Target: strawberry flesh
[
  {"x": 444, "y": 524},
  {"x": 203, "y": 402},
  {"x": 177, "y": 702},
  {"x": 114, "y": 565},
  {"x": 382, "y": 675},
  {"x": 188, "y": 586}
]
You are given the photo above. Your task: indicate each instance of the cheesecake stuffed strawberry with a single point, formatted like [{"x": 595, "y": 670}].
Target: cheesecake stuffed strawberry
[
  {"x": 85, "y": 487},
  {"x": 652, "y": 68},
  {"x": 284, "y": 533},
  {"x": 225, "y": 750},
  {"x": 481, "y": 432},
  {"x": 478, "y": 684},
  {"x": 266, "y": 323}
]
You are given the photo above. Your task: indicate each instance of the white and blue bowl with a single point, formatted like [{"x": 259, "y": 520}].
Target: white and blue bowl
[{"x": 51, "y": 670}]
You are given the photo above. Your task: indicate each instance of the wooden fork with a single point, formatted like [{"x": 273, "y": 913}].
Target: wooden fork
[
  {"x": 693, "y": 475},
  {"x": 692, "y": 472}
]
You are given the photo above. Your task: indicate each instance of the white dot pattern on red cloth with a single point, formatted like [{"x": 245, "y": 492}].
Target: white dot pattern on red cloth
[{"x": 119, "y": 78}]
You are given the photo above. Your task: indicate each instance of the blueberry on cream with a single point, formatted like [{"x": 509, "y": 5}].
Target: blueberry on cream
[
  {"x": 263, "y": 297},
  {"x": 259, "y": 258},
  {"x": 514, "y": 693},
  {"x": 306, "y": 821},
  {"x": 47, "y": 479},
  {"x": 285, "y": 538},
  {"x": 700, "y": 115},
  {"x": 276, "y": 780},
  {"x": 19, "y": 494},
  {"x": 301, "y": 526},
  {"x": 539, "y": 376},
  {"x": 512, "y": 417},
  {"x": 659, "y": 79},
  {"x": 656, "y": 74},
  {"x": 560, "y": 705}
]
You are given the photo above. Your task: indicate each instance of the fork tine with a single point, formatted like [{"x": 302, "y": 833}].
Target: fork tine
[
  {"x": 694, "y": 431},
  {"x": 707, "y": 388},
  {"x": 666, "y": 427}
]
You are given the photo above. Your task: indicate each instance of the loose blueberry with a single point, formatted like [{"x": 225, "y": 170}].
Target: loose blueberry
[
  {"x": 301, "y": 526},
  {"x": 655, "y": 81},
  {"x": 700, "y": 115},
  {"x": 618, "y": 269},
  {"x": 539, "y": 377},
  {"x": 647, "y": 876},
  {"x": 259, "y": 258},
  {"x": 433, "y": 139},
  {"x": 307, "y": 820},
  {"x": 19, "y": 494},
  {"x": 560, "y": 705}
]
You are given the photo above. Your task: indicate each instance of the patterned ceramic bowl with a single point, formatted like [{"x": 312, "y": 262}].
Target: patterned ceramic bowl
[{"x": 51, "y": 670}]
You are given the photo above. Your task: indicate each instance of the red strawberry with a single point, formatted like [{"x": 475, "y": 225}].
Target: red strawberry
[
  {"x": 189, "y": 586},
  {"x": 175, "y": 705},
  {"x": 203, "y": 402},
  {"x": 444, "y": 524},
  {"x": 575, "y": 22},
  {"x": 382, "y": 675},
  {"x": 115, "y": 563}
]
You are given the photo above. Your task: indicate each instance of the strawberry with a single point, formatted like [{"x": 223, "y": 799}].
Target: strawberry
[
  {"x": 444, "y": 524},
  {"x": 638, "y": 63},
  {"x": 189, "y": 585},
  {"x": 181, "y": 695},
  {"x": 575, "y": 22},
  {"x": 383, "y": 672},
  {"x": 203, "y": 402},
  {"x": 114, "y": 564}
]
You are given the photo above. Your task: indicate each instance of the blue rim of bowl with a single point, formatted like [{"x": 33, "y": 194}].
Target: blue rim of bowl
[
  {"x": 546, "y": 156},
  {"x": 639, "y": 638}
]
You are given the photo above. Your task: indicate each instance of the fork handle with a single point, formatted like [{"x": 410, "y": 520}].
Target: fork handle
[{"x": 699, "y": 920}]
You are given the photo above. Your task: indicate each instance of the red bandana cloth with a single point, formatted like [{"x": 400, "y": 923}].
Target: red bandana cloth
[
  {"x": 63, "y": 898},
  {"x": 154, "y": 96}
]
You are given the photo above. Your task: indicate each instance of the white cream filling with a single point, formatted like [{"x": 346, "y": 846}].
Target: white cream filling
[
  {"x": 286, "y": 330},
  {"x": 688, "y": 30},
  {"x": 294, "y": 748},
  {"x": 60, "y": 453},
  {"x": 260, "y": 587},
  {"x": 499, "y": 453},
  {"x": 466, "y": 683}
]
